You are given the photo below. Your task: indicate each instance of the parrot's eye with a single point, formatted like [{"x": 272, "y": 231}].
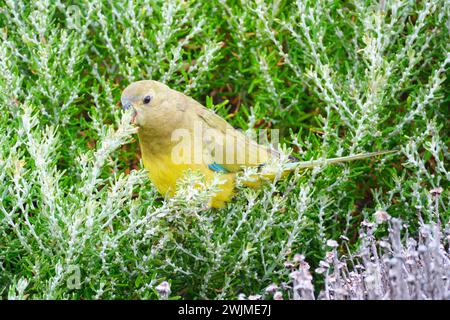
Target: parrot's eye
[{"x": 147, "y": 99}]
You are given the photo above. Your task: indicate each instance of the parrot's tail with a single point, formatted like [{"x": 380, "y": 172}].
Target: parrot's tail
[
  {"x": 257, "y": 179},
  {"x": 321, "y": 162}
]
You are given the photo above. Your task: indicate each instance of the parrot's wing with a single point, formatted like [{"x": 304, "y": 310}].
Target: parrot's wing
[{"x": 227, "y": 148}]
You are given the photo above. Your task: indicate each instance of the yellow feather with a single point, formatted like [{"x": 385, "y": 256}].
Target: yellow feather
[{"x": 164, "y": 174}]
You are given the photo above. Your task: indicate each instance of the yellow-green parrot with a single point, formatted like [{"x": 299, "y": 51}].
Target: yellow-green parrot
[{"x": 176, "y": 133}]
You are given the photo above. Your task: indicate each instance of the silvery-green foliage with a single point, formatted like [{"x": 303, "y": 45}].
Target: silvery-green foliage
[
  {"x": 390, "y": 268},
  {"x": 79, "y": 217}
]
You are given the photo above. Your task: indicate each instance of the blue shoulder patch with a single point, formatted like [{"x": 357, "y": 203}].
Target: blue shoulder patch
[{"x": 217, "y": 168}]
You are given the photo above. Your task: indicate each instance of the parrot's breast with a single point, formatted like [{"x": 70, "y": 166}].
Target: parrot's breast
[{"x": 164, "y": 174}]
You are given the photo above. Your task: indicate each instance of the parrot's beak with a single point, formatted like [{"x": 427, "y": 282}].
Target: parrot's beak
[
  {"x": 126, "y": 104},
  {"x": 133, "y": 118}
]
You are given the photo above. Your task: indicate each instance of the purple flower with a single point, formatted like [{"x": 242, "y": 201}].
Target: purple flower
[
  {"x": 278, "y": 296},
  {"x": 298, "y": 258},
  {"x": 381, "y": 216},
  {"x": 436, "y": 191},
  {"x": 332, "y": 243},
  {"x": 271, "y": 288},
  {"x": 163, "y": 289}
]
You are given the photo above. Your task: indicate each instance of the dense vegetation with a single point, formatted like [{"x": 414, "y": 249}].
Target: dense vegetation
[{"x": 80, "y": 219}]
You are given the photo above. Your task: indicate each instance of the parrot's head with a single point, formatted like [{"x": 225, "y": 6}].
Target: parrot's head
[{"x": 147, "y": 99}]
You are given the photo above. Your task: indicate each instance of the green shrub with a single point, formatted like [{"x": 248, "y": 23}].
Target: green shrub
[{"x": 79, "y": 217}]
